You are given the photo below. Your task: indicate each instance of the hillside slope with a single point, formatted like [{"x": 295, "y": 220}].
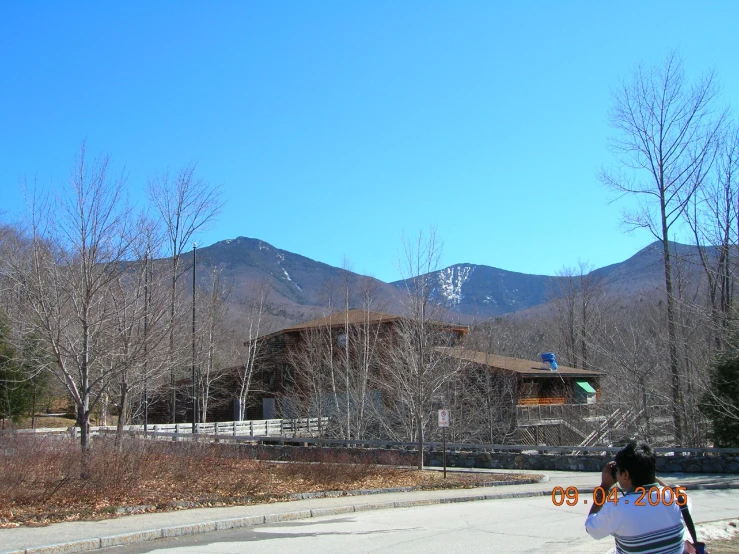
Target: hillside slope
[{"x": 300, "y": 288}]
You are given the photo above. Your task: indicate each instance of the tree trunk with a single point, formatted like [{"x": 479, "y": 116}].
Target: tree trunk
[
  {"x": 672, "y": 341},
  {"x": 172, "y": 380},
  {"x": 122, "y": 415}
]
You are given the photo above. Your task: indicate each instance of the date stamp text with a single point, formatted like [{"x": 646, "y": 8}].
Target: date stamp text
[{"x": 652, "y": 496}]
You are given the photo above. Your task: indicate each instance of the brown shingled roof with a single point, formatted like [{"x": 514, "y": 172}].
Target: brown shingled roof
[
  {"x": 340, "y": 318},
  {"x": 354, "y": 317},
  {"x": 526, "y": 368}
]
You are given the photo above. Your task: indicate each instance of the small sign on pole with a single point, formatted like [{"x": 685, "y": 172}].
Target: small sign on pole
[{"x": 444, "y": 421}]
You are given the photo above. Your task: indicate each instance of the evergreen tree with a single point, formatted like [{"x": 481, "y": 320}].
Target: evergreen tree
[
  {"x": 721, "y": 403},
  {"x": 15, "y": 390}
]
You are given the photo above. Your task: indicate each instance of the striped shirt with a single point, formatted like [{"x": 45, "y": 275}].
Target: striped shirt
[{"x": 646, "y": 529}]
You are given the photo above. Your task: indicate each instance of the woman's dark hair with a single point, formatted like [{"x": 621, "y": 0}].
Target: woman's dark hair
[{"x": 640, "y": 461}]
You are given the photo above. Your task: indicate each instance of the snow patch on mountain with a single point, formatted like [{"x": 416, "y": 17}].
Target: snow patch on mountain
[
  {"x": 451, "y": 280},
  {"x": 280, "y": 259},
  {"x": 287, "y": 276}
]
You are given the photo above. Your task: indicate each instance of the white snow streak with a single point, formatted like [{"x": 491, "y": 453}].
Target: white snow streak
[
  {"x": 280, "y": 259},
  {"x": 451, "y": 280}
]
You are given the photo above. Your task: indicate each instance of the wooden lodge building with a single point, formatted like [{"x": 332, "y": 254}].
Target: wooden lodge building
[
  {"x": 544, "y": 400},
  {"x": 534, "y": 383}
]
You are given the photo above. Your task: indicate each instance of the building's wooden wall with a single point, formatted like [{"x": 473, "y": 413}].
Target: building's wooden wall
[{"x": 549, "y": 391}]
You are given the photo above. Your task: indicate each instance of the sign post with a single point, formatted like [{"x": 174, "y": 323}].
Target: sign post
[{"x": 444, "y": 423}]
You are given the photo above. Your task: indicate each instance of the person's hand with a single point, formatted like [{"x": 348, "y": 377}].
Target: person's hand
[
  {"x": 606, "y": 476},
  {"x": 606, "y": 482}
]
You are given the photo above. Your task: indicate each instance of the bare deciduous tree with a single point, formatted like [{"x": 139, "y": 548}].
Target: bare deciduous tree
[
  {"x": 254, "y": 325},
  {"x": 667, "y": 130},
  {"x": 713, "y": 217},
  {"x": 213, "y": 333},
  {"x": 139, "y": 313},
  {"x": 186, "y": 204},
  {"x": 415, "y": 371},
  {"x": 484, "y": 404},
  {"x": 78, "y": 251},
  {"x": 577, "y": 298}
]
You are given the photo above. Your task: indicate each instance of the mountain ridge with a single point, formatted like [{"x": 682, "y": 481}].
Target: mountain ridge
[{"x": 301, "y": 288}]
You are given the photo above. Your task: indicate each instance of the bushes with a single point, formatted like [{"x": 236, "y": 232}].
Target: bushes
[{"x": 40, "y": 476}]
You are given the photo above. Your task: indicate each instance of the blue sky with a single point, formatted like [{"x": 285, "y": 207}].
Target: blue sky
[{"x": 334, "y": 127}]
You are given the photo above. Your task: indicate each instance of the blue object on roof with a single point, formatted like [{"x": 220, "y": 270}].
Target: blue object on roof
[{"x": 551, "y": 359}]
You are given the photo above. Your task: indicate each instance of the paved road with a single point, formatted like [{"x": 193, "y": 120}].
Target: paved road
[
  {"x": 513, "y": 525},
  {"x": 353, "y": 514}
]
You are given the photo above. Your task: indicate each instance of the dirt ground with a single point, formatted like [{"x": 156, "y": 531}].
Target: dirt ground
[{"x": 730, "y": 546}]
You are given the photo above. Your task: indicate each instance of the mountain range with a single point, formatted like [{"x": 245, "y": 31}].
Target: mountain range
[{"x": 299, "y": 288}]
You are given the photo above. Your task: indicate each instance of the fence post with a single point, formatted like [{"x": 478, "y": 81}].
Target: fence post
[{"x": 234, "y": 428}]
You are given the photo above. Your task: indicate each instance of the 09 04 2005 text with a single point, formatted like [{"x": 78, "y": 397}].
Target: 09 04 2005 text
[{"x": 652, "y": 496}]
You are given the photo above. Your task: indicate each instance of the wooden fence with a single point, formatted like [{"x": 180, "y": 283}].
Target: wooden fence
[{"x": 306, "y": 427}]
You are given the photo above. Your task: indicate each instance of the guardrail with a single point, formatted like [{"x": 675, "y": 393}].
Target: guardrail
[
  {"x": 300, "y": 427},
  {"x": 288, "y": 431},
  {"x": 357, "y": 443},
  {"x": 511, "y": 448}
]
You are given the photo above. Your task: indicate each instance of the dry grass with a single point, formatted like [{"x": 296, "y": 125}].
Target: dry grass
[
  {"x": 46, "y": 421},
  {"x": 40, "y": 477}
]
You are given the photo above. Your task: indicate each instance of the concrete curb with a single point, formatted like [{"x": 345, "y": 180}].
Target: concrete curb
[
  {"x": 87, "y": 545},
  {"x": 715, "y": 486}
]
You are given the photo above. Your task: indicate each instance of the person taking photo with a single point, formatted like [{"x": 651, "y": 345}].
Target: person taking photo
[{"x": 647, "y": 518}]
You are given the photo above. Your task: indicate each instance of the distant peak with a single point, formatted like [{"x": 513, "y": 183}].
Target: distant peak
[
  {"x": 466, "y": 266},
  {"x": 246, "y": 240}
]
